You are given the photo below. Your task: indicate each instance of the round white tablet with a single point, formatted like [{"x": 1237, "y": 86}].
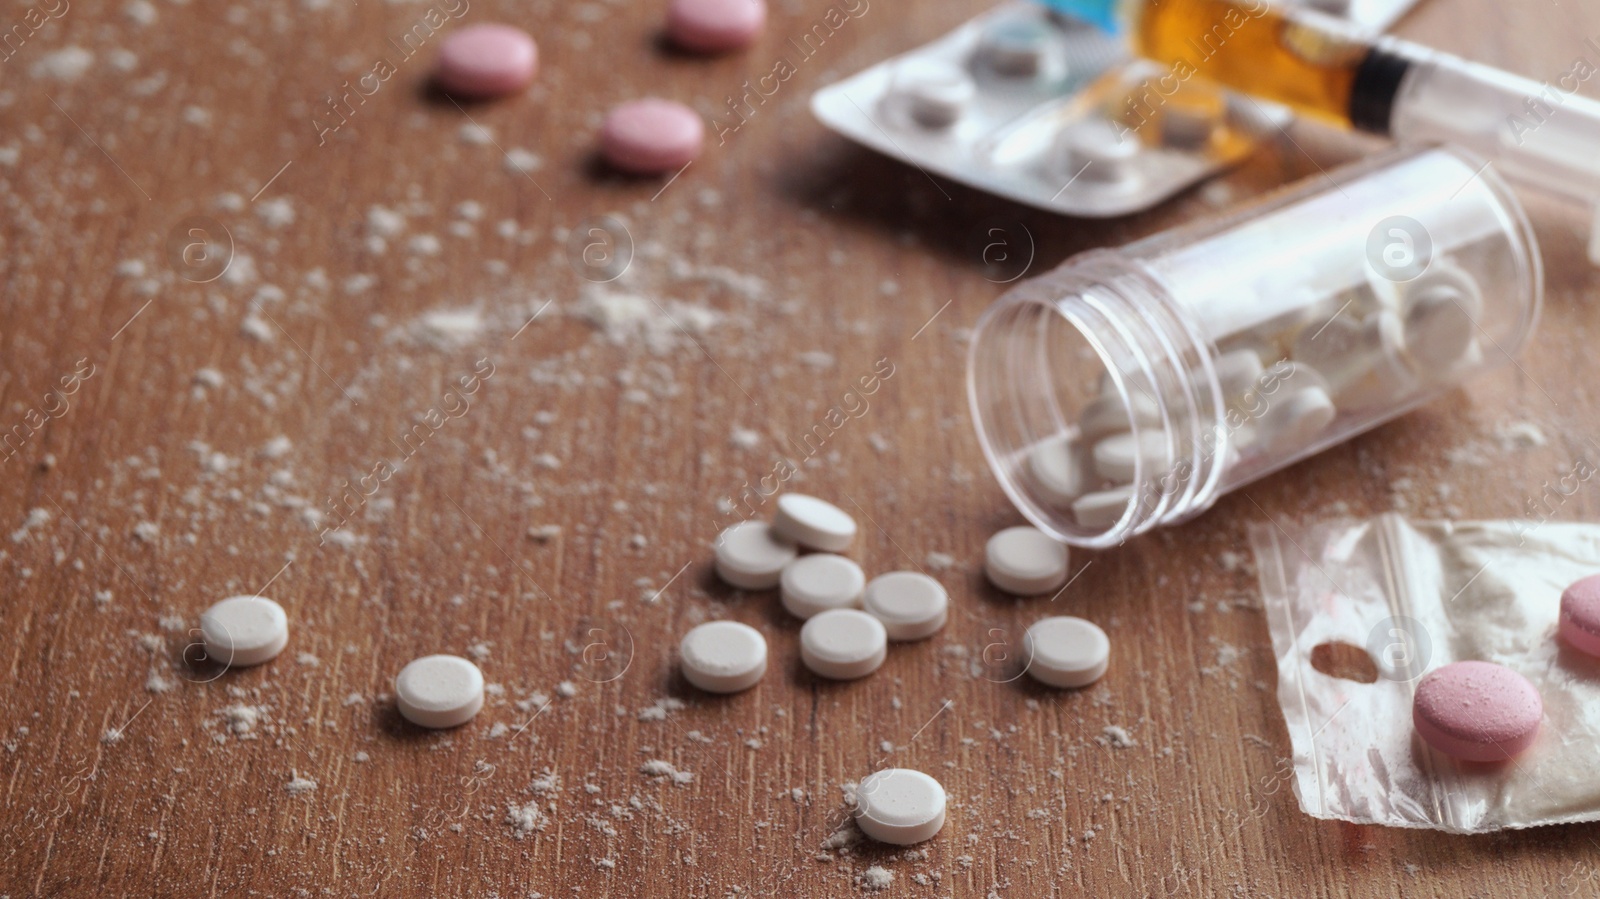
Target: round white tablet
[
  {"x": 1103, "y": 508},
  {"x": 911, "y": 605},
  {"x": 244, "y": 630},
  {"x": 1025, "y": 561},
  {"x": 935, "y": 94},
  {"x": 899, "y": 806},
  {"x": 1118, "y": 458},
  {"x": 1066, "y": 652},
  {"x": 1055, "y": 469},
  {"x": 819, "y": 582},
  {"x": 843, "y": 644},
  {"x": 751, "y": 556},
  {"x": 723, "y": 656},
  {"x": 439, "y": 691},
  {"x": 812, "y": 522}
]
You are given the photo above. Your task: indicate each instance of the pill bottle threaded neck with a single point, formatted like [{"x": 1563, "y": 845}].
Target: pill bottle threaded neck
[{"x": 1098, "y": 347}]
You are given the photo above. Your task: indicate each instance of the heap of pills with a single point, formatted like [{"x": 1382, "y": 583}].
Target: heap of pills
[
  {"x": 1343, "y": 355},
  {"x": 825, "y": 589}
]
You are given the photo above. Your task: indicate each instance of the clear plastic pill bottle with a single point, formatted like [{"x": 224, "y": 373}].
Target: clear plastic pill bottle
[{"x": 1131, "y": 388}]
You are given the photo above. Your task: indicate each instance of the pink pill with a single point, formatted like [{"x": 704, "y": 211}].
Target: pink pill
[
  {"x": 715, "y": 26},
  {"x": 648, "y": 137},
  {"x": 1580, "y": 615},
  {"x": 487, "y": 61},
  {"x": 1477, "y": 711}
]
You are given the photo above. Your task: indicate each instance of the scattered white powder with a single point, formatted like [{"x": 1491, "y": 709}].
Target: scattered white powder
[
  {"x": 298, "y": 785},
  {"x": 847, "y": 835},
  {"x": 661, "y": 709},
  {"x": 939, "y": 561},
  {"x": 660, "y": 768},
  {"x": 877, "y": 877},
  {"x": 384, "y": 222},
  {"x": 817, "y": 359},
  {"x": 446, "y": 328},
  {"x": 1117, "y": 737},
  {"x": 66, "y": 64},
  {"x": 276, "y": 448},
  {"x": 623, "y": 316},
  {"x": 520, "y": 161},
  {"x": 276, "y": 213},
  {"x": 155, "y": 683},
  {"x": 112, "y": 735},
  {"x": 475, "y": 134},
  {"x": 525, "y": 819},
  {"x": 744, "y": 438},
  {"x": 37, "y": 517},
  {"x": 208, "y": 377},
  {"x": 566, "y": 689},
  {"x": 146, "y": 531},
  {"x": 140, "y": 12},
  {"x": 1520, "y": 435},
  {"x": 256, "y": 328},
  {"x": 241, "y": 719}
]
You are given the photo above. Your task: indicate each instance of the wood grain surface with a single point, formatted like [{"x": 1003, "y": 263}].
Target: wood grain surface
[{"x": 551, "y": 516}]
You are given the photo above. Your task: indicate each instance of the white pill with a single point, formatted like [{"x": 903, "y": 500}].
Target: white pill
[
  {"x": 1237, "y": 372},
  {"x": 1025, "y": 561},
  {"x": 1095, "y": 153},
  {"x": 899, "y": 806},
  {"x": 439, "y": 691},
  {"x": 816, "y": 583},
  {"x": 935, "y": 94},
  {"x": 244, "y": 630},
  {"x": 1055, "y": 470},
  {"x": 1190, "y": 126},
  {"x": 814, "y": 523},
  {"x": 1103, "y": 508},
  {"x": 843, "y": 644},
  {"x": 911, "y": 605},
  {"x": 1295, "y": 419},
  {"x": 723, "y": 656},
  {"x": 1117, "y": 458},
  {"x": 751, "y": 555},
  {"x": 1107, "y": 414},
  {"x": 1440, "y": 313},
  {"x": 1066, "y": 652}
]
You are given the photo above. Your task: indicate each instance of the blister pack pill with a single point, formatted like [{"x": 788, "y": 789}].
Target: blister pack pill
[{"x": 1044, "y": 109}]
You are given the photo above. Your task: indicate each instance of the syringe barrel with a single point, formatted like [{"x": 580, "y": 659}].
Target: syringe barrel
[{"x": 1542, "y": 135}]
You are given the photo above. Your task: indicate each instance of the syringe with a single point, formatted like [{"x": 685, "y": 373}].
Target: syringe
[{"x": 1538, "y": 134}]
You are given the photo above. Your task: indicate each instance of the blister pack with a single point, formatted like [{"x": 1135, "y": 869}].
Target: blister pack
[{"x": 1044, "y": 109}]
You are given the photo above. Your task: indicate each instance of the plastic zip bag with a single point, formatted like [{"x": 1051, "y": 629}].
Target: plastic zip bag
[{"x": 1414, "y": 596}]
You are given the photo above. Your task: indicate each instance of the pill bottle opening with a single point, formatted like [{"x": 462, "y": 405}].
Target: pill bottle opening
[{"x": 1095, "y": 425}]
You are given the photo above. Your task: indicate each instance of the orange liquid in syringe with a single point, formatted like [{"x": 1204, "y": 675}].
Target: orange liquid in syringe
[{"x": 1250, "y": 46}]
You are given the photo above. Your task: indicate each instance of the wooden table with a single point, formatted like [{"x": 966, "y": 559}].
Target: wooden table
[{"x": 552, "y": 519}]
